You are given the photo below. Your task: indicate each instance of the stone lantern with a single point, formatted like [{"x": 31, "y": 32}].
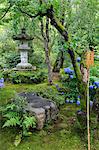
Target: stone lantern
[{"x": 24, "y": 48}]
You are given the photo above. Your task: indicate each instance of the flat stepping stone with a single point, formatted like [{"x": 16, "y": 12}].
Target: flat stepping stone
[{"x": 44, "y": 109}]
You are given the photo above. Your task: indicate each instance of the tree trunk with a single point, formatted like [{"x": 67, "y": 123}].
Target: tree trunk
[
  {"x": 82, "y": 78},
  {"x": 60, "y": 57},
  {"x": 45, "y": 36},
  {"x": 48, "y": 62},
  {"x": 80, "y": 75},
  {"x": 59, "y": 62}
]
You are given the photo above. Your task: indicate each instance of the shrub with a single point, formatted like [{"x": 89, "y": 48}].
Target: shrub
[
  {"x": 24, "y": 77},
  {"x": 94, "y": 71},
  {"x": 73, "y": 90},
  {"x": 12, "y": 59}
]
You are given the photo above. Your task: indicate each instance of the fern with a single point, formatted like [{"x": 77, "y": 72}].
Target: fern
[
  {"x": 29, "y": 122},
  {"x": 10, "y": 106},
  {"x": 10, "y": 115},
  {"x": 12, "y": 122},
  {"x": 15, "y": 115}
]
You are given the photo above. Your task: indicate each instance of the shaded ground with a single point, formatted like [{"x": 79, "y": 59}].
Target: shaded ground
[{"x": 63, "y": 135}]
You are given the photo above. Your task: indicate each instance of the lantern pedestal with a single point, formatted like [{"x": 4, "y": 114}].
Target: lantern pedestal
[{"x": 24, "y": 59}]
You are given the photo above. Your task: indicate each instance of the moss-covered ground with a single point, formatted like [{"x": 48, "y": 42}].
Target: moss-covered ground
[{"x": 62, "y": 135}]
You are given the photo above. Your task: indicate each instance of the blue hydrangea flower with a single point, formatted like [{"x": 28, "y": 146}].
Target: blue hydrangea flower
[
  {"x": 91, "y": 103},
  {"x": 91, "y": 87},
  {"x": 58, "y": 88},
  {"x": 96, "y": 84},
  {"x": 1, "y": 85},
  {"x": 62, "y": 93},
  {"x": 78, "y": 59},
  {"x": 71, "y": 76},
  {"x": 67, "y": 101},
  {"x": 1, "y": 80},
  {"x": 79, "y": 96},
  {"x": 68, "y": 71},
  {"x": 78, "y": 102},
  {"x": 56, "y": 85}
]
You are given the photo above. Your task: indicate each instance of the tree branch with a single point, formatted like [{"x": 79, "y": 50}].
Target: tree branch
[
  {"x": 6, "y": 12},
  {"x": 26, "y": 13},
  {"x": 78, "y": 53},
  {"x": 57, "y": 24},
  {"x": 32, "y": 16}
]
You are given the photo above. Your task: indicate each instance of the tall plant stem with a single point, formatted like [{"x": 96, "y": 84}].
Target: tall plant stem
[{"x": 88, "y": 127}]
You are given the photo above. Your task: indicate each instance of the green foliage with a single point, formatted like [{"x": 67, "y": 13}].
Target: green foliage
[
  {"x": 93, "y": 79},
  {"x": 14, "y": 115},
  {"x": 1, "y": 75},
  {"x": 51, "y": 93},
  {"x": 37, "y": 59},
  {"x": 12, "y": 59},
  {"x": 24, "y": 77},
  {"x": 94, "y": 71},
  {"x": 72, "y": 92}
]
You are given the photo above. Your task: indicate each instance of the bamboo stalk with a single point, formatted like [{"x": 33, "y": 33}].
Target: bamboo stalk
[{"x": 88, "y": 127}]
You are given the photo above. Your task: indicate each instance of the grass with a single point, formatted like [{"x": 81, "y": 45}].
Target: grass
[{"x": 62, "y": 135}]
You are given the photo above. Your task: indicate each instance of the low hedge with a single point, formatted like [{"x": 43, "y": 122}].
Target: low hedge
[{"x": 17, "y": 77}]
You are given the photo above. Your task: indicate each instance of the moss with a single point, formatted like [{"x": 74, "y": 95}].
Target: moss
[
  {"x": 60, "y": 26},
  {"x": 61, "y": 136}
]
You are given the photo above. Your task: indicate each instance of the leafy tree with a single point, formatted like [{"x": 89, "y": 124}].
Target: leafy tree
[{"x": 79, "y": 29}]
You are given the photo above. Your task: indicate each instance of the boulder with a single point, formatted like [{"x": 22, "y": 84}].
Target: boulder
[{"x": 45, "y": 110}]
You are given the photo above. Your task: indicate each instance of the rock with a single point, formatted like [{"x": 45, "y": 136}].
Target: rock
[
  {"x": 44, "y": 110},
  {"x": 39, "y": 114}
]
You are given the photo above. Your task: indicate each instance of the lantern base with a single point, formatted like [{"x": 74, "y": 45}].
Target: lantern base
[{"x": 24, "y": 66}]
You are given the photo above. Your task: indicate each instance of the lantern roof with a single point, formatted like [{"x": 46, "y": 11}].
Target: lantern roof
[{"x": 23, "y": 36}]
